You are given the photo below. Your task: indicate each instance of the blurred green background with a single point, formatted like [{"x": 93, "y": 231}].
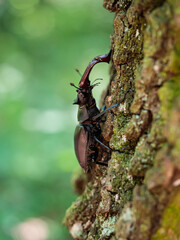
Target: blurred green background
[{"x": 41, "y": 43}]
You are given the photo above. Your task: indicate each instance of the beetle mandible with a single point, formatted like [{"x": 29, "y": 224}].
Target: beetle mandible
[{"x": 88, "y": 130}]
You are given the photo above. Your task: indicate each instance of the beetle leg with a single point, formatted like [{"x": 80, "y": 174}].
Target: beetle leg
[
  {"x": 97, "y": 140},
  {"x": 102, "y": 113},
  {"x": 109, "y": 108},
  {"x": 113, "y": 150},
  {"x": 103, "y": 108}
]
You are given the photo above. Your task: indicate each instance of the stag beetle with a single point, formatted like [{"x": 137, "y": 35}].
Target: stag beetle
[{"x": 88, "y": 130}]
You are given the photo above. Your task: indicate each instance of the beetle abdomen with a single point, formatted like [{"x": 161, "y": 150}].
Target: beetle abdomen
[{"x": 80, "y": 145}]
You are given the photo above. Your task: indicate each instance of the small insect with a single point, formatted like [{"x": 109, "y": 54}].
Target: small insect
[{"x": 88, "y": 130}]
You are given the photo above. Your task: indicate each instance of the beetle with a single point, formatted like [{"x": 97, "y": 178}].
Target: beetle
[{"x": 88, "y": 130}]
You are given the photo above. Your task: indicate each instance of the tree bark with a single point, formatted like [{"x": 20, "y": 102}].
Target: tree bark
[{"x": 138, "y": 196}]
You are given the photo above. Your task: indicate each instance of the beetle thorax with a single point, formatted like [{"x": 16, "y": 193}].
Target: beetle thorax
[{"x": 84, "y": 98}]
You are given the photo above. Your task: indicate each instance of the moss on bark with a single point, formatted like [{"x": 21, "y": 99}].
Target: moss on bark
[{"x": 137, "y": 196}]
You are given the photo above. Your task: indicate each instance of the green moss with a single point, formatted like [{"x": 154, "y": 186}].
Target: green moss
[
  {"x": 129, "y": 48},
  {"x": 170, "y": 228},
  {"x": 167, "y": 94},
  {"x": 142, "y": 159},
  {"x": 118, "y": 180},
  {"x": 124, "y": 225},
  {"x": 146, "y": 5},
  {"x": 157, "y": 30},
  {"x": 120, "y": 122},
  {"x": 108, "y": 227}
]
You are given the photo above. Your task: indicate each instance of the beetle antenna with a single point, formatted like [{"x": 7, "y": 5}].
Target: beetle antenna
[
  {"x": 72, "y": 84},
  {"x": 97, "y": 79},
  {"x": 96, "y": 84},
  {"x": 77, "y": 70}
]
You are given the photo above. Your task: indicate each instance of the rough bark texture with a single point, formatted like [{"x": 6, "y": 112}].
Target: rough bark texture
[{"x": 138, "y": 196}]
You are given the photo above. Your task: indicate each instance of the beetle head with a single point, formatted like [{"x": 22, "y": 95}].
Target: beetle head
[
  {"x": 83, "y": 96},
  {"x": 84, "y": 89}
]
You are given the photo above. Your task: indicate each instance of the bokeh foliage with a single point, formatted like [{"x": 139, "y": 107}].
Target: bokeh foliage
[{"x": 41, "y": 43}]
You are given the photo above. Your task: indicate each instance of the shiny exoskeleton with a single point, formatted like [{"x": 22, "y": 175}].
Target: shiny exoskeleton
[{"x": 88, "y": 130}]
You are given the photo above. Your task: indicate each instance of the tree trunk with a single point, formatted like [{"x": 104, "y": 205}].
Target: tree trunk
[{"x": 138, "y": 196}]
